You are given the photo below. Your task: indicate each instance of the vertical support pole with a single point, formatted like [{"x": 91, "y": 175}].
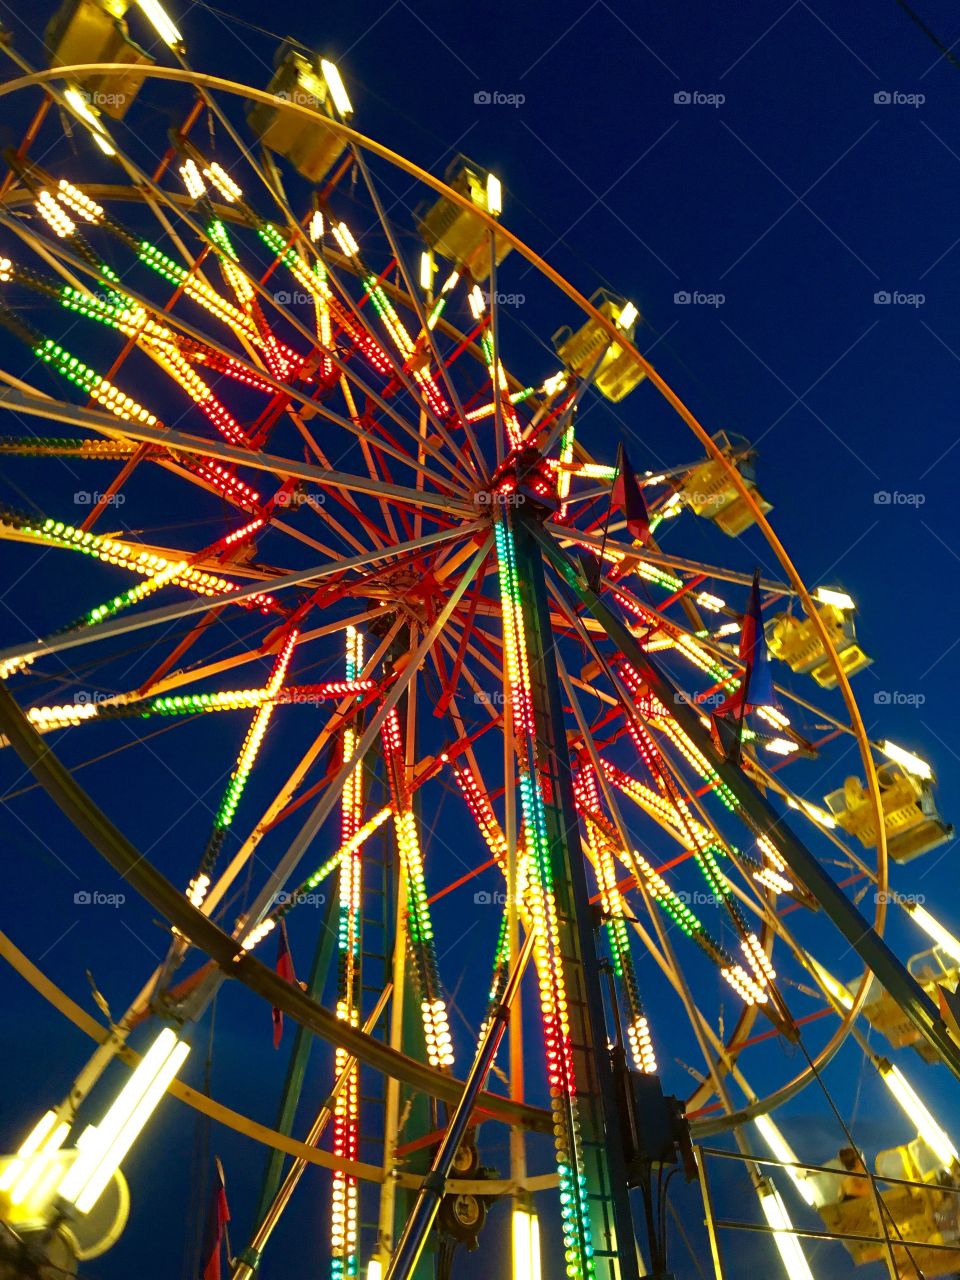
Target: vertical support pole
[
  {"x": 518, "y": 1151},
  {"x": 411, "y": 1244},
  {"x": 604, "y": 1171},
  {"x": 391, "y": 1121},
  {"x": 415, "y": 1113},
  {"x": 498, "y": 433}
]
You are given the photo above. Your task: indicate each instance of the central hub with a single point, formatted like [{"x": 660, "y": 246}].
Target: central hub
[{"x": 524, "y": 476}]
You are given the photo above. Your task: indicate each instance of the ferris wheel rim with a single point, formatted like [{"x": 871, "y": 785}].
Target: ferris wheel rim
[
  {"x": 239, "y": 1121},
  {"x": 220, "y": 85}
]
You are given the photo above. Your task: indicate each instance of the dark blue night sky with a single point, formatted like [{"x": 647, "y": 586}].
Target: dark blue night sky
[{"x": 775, "y": 186}]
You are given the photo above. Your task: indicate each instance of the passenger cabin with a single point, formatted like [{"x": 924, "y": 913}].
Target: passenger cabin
[
  {"x": 708, "y": 490},
  {"x": 617, "y": 372},
  {"x": 930, "y": 969},
  {"x": 83, "y": 31},
  {"x": 910, "y": 816},
  {"x": 796, "y": 641},
  {"x": 929, "y": 1213},
  {"x": 456, "y": 233},
  {"x": 311, "y": 146}
]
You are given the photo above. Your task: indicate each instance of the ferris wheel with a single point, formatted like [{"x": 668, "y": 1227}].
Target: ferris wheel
[{"x": 356, "y": 523}]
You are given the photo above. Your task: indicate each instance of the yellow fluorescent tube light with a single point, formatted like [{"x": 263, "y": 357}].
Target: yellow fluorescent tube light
[
  {"x": 907, "y": 760},
  {"x": 104, "y": 1148},
  {"x": 335, "y": 84},
  {"x": 934, "y": 929},
  {"x": 781, "y": 1150},
  {"x": 494, "y": 195},
  {"x": 928, "y": 1129},
  {"x": 827, "y": 596},
  {"x": 154, "y": 12},
  {"x": 526, "y": 1245},
  {"x": 791, "y": 1254}
]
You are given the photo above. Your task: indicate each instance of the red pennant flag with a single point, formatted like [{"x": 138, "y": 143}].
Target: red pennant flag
[
  {"x": 216, "y": 1227},
  {"x": 627, "y": 496},
  {"x": 756, "y": 688},
  {"x": 285, "y": 971}
]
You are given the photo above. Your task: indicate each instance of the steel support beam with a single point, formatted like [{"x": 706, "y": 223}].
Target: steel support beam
[
  {"x": 413, "y": 1239},
  {"x": 612, "y": 1226}
]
